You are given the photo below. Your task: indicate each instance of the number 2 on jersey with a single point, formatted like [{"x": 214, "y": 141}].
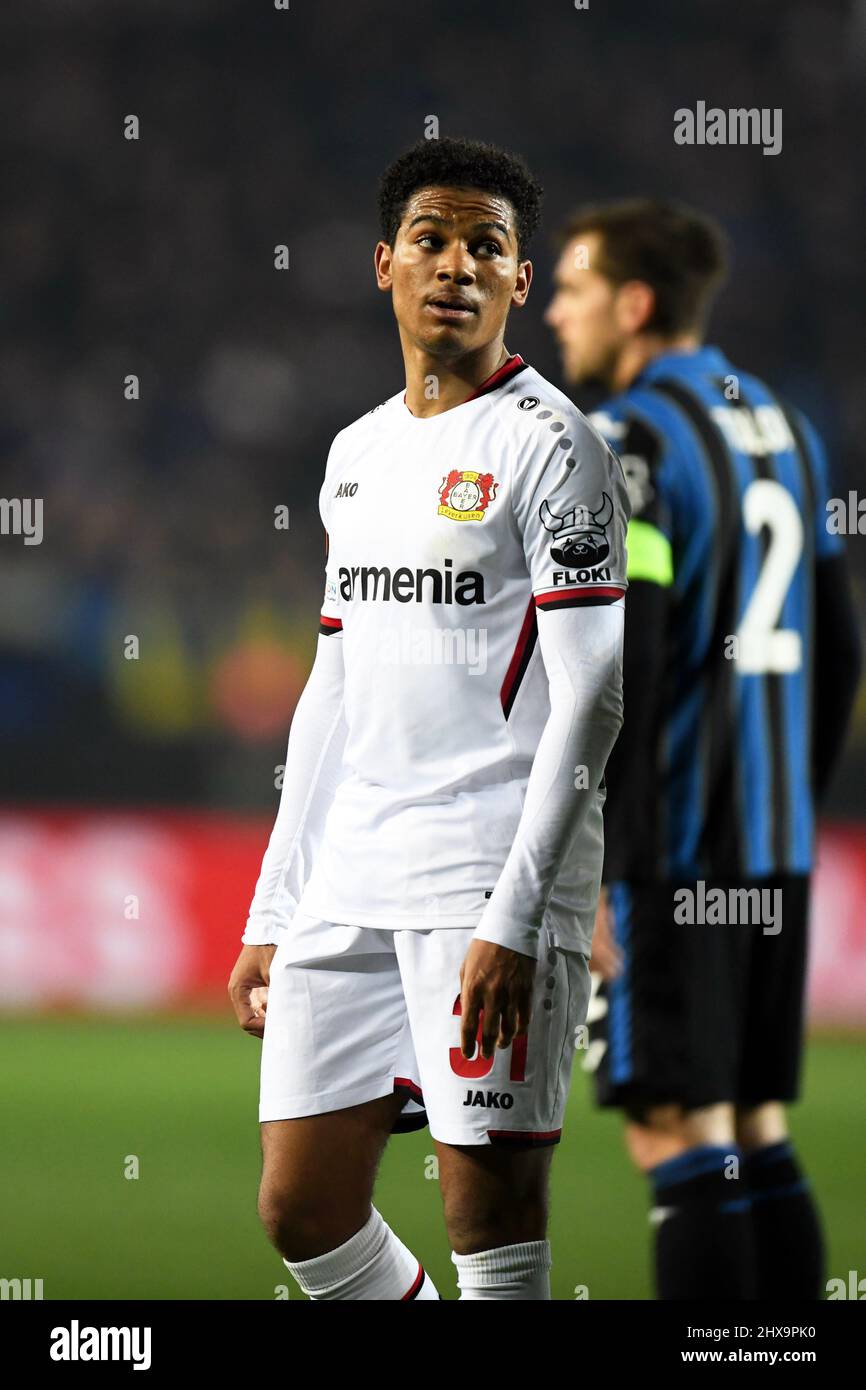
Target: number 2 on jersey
[{"x": 762, "y": 648}]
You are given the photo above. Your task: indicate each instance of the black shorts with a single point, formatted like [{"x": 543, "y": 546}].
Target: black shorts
[{"x": 702, "y": 1012}]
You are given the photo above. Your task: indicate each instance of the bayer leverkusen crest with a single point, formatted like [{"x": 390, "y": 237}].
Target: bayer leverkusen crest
[{"x": 464, "y": 496}]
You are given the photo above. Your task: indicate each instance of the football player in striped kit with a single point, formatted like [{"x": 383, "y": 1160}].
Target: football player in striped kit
[{"x": 741, "y": 663}]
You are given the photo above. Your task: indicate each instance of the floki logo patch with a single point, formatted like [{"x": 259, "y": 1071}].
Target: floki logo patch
[
  {"x": 465, "y": 496},
  {"x": 580, "y": 535}
]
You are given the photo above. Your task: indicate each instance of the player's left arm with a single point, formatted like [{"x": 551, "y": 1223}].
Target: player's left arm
[
  {"x": 837, "y": 654},
  {"x": 573, "y": 523},
  {"x": 837, "y": 665}
]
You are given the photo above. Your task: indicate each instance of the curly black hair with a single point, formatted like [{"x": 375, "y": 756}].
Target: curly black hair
[{"x": 454, "y": 163}]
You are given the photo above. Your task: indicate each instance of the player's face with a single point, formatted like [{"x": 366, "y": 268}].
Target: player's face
[
  {"x": 583, "y": 314},
  {"x": 454, "y": 271}
]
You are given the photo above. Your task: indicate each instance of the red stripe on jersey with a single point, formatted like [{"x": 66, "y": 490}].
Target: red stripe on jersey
[
  {"x": 519, "y": 660},
  {"x": 416, "y": 1286},
  {"x": 404, "y": 1083},
  {"x": 329, "y": 626},
  {"x": 510, "y": 367},
  {"x": 585, "y": 597},
  {"x": 537, "y": 1138}
]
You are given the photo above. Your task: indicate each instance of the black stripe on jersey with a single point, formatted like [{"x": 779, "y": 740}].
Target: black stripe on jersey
[
  {"x": 804, "y": 458},
  {"x": 642, "y": 440},
  {"x": 408, "y": 1124},
  {"x": 643, "y": 444},
  {"x": 578, "y": 598},
  {"x": 329, "y": 627},
  {"x": 721, "y": 813},
  {"x": 531, "y": 1139},
  {"x": 405, "y": 1124}
]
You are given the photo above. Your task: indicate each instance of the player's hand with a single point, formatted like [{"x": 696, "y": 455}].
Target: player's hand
[
  {"x": 248, "y": 987},
  {"x": 606, "y": 957},
  {"x": 497, "y": 983}
]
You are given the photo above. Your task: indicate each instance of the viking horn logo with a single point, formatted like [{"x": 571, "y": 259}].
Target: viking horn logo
[{"x": 580, "y": 533}]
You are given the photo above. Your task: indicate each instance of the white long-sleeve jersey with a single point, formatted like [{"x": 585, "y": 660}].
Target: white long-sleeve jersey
[{"x": 446, "y": 761}]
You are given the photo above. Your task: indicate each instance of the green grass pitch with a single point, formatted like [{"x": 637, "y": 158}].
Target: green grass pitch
[{"x": 80, "y": 1095}]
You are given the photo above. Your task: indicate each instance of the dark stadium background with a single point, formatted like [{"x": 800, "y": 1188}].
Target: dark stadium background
[{"x": 137, "y": 795}]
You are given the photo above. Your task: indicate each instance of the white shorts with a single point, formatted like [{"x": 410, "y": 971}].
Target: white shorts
[{"x": 355, "y": 1013}]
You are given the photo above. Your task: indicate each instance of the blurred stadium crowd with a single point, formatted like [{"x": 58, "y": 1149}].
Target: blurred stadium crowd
[{"x": 155, "y": 257}]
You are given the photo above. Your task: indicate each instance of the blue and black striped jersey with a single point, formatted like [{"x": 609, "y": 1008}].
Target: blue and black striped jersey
[{"x": 729, "y": 489}]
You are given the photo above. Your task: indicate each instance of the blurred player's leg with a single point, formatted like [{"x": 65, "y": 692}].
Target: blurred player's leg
[
  {"x": 787, "y": 1229},
  {"x": 701, "y": 1226},
  {"x": 722, "y": 762},
  {"x": 667, "y": 1029},
  {"x": 496, "y": 1215},
  {"x": 789, "y": 1243}
]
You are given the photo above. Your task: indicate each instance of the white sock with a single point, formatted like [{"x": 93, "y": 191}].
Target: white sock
[
  {"x": 374, "y": 1264},
  {"x": 510, "y": 1271}
]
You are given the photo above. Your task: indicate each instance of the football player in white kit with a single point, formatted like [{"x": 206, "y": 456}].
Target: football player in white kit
[{"x": 416, "y": 949}]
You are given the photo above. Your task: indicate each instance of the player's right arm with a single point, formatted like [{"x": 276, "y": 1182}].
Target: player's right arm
[{"x": 313, "y": 771}]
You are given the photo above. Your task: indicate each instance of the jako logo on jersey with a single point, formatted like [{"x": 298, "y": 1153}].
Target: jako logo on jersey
[
  {"x": 491, "y": 1100},
  {"x": 346, "y": 490},
  {"x": 580, "y": 533},
  {"x": 527, "y": 403},
  {"x": 464, "y": 496},
  {"x": 407, "y": 586},
  {"x": 594, "y": 576}
]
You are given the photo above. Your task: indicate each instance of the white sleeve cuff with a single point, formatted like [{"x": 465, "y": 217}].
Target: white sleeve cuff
[
  {"x": 264, "y": 933},
  {"x": 517, "y": 935}
]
